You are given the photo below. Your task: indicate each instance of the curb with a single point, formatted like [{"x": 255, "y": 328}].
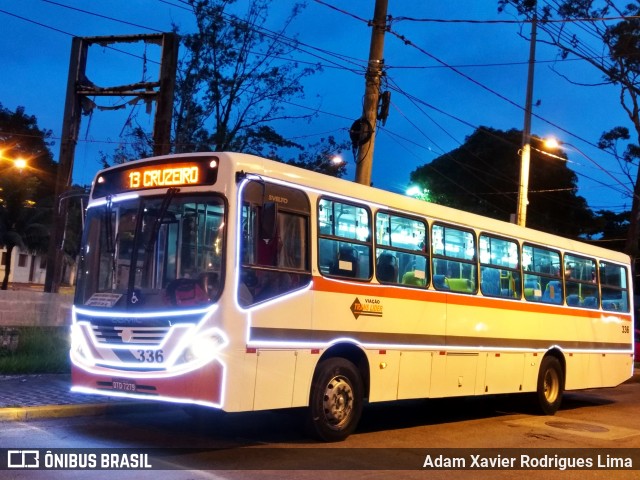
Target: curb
[{"x": 25, "y": 414}]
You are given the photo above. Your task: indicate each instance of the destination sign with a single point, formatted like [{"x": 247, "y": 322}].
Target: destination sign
[
  {"x": 183, "y": 172},
  {"x": 164, "y": 177}
]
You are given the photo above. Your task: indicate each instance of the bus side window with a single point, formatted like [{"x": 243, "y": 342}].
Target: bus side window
[
  {"x": 581, "y": 283},
  {"x": 454, "y": 257},
  {"x": 401, "y": 258},
  {"x": 542, "y": 280},
  {"x": 277, "y": 263},
  {"x": 499, "y": 267},
  {"x": 344, "y": 240},
  {"x": 615, "y": 289}
]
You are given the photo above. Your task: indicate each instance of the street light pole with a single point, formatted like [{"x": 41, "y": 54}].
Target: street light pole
[{"x": 525, "y": 161}]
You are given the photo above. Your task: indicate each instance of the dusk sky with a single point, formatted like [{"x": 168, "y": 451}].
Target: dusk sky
[{"x": 451, "y": 78}]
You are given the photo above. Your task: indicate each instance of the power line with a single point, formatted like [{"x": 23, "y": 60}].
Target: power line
[
  {"x": 49, "y": 27},
  {"x": 344, "y": 12},
  {"x": 37, "y": 23},
  {"x": 294, "y": 44},
  {"x": 502, "y": 21},
  {"x": 444, "y": 64},
  {"x": 94, "y": 14}
]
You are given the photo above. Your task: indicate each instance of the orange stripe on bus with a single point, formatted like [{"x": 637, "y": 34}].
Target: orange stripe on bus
[{"x": 321, "y": 284}]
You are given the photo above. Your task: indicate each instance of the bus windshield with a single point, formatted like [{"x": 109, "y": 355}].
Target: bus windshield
[{"x": 153, "y": 253}]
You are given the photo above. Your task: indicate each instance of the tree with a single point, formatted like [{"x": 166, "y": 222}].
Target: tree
[
  {"x": 20, "y": 136},
  {"x": 235, "y": 81},
  {"x": 482, "y": 176},
  {"x": 616, "y": 57},
  {"x": 611, "y": 228},
  {"x": 320, "y": 157},
  {"x": 138, "y": 144},
  {"x": 22, "y": 224},
  {"x": 26, "y": 195},
  {"x": 233, "y": 86}
]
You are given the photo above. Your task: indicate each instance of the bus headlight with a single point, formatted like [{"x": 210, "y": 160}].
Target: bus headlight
[
  {"x": 74, "y": 338},
  {"x": 205, "y": 346},
  {"x": 78, "y": 346}
]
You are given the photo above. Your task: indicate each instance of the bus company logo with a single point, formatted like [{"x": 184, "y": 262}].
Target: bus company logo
[
  {"x": 126, "y": 334},
  {"x": 23, "y": 458},
  {"x": 278, "y": 199},
  {"x": 372, "y": 307}
]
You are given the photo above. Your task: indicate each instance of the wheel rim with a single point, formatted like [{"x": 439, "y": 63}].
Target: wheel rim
[
  {"x": 337, "y": 402},
  {"x": 551, "y": 385}
]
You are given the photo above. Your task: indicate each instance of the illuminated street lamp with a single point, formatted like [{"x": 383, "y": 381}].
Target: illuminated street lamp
[
  {"x": 20, "y": 163},
  {"x": 551, "y": 143},
  {"x": 415, "y": 191}
]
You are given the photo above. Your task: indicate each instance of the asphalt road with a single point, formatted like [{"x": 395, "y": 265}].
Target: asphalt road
[{"x": 391, "y": 436}]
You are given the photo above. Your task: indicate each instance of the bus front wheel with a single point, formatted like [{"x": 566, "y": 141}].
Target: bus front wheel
[
  {"x": 550, "y": 385},
  {"x": 335, "y": 403}
]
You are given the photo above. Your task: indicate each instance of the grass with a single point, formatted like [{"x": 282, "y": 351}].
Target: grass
[{"x": 40, "y": 350}]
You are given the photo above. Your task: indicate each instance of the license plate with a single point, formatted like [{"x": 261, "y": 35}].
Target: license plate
[{"x": 124, "y": 385}]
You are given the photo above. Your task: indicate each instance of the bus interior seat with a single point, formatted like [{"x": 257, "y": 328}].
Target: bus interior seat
[
  {"x": 440, "y": 282},
  {"x": 553, "y": 292},
  {"x": 410, "y": 278},
  {"x": 490, "y": 283},
  {"x": 209, "y": 281},
  {"x": 346, "y": 265},
  {"x": 532, "y": 290},
  {"x": 573, "y": 300},
  {"x": 463, "y": 285},
  {"x": 590, "y": 302},
  {"x": 387, "y": 268}
]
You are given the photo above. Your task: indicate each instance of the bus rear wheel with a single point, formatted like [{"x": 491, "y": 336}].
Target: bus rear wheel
[
  {"x": 335, "y": 403},
  {"x": 550, "y": 385}
]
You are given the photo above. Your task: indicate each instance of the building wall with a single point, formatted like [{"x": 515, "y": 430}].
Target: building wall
[
  {"x": 34, "y": 309},
  {"x": 30, "y": 268}
]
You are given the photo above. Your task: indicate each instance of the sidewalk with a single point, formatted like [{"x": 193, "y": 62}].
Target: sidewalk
[{"x": 26, "y": 397}]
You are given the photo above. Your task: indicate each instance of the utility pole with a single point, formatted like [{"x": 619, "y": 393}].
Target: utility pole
[
  {"x": 523, "y": 192},
  {"x": 70, "y": 130},
  {"x": 367, "y": 131},
  {"x": 164, "y": 102},
  {"x": 79, "y": 89}
]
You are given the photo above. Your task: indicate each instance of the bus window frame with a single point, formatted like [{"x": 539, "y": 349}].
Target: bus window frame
[
  {"x": 550, "y": 277},
  {"x": 252, "y": 291},
  {"x": 571, "y": 281},
  {"x": 518, "y": 284},
  {"x": 424, "y": 253},
  {"x": 332, "y": 237},
  {"x": 474, "y": 263},
  {"x": 607, "y": 304}
]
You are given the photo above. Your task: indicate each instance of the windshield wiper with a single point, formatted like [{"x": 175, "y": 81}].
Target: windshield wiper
[
  {"x": 157, "y": 222},
  {"x": 108, "y": 227},
  {"x": 166, "y": 201},
  {"x": 110, "y": 239}
]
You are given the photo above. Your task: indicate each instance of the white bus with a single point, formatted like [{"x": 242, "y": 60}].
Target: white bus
[{"x": 243, "y": 284}]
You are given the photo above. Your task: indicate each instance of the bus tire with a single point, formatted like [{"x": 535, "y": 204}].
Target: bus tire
[
  {"x": 335, "y": 402},
  {"x": 550, "y": 385}
]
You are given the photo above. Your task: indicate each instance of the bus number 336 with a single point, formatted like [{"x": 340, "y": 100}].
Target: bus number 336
[{"x": 150, "y": 356}]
